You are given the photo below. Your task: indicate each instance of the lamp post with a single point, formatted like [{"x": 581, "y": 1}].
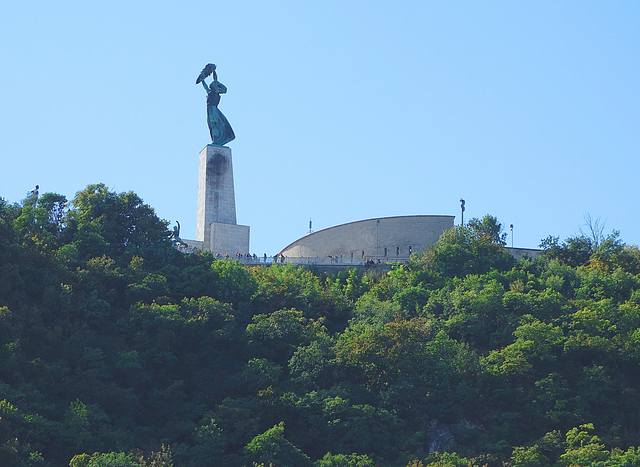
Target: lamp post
[
  {"x": 462, "y": 211},
  {"x": 511, "y": 228}
]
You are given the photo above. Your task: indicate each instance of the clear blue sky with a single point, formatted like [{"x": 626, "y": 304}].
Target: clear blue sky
[{"x": 343, "y": 110}]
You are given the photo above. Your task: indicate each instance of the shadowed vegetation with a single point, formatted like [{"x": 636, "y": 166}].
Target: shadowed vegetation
[{"x": 118, "y": 350}]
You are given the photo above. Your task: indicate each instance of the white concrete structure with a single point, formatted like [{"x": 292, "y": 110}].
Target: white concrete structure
[
  {"x": 386, "y": 238},
  {"x": 216, "y": 228},
  {"x": 216, "y": 194},
  {"x": 229, "y": 239},
  {"x": 519, "y": 253}
]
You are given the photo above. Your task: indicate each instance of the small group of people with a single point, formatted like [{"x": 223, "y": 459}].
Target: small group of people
[
  {"x": 371, "y": 262},
  {"x": 252, "y": 257},
  {"x": 239, "y": 256}
]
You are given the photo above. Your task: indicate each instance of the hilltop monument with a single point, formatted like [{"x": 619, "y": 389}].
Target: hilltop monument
[{"x": 216, "y": 227}]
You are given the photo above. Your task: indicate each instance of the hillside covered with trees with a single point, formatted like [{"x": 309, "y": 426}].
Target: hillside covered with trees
[{"x": 118, "y": 350}]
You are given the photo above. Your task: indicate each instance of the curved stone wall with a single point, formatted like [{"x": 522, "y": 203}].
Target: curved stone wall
[{"x": 384, "y": 237}]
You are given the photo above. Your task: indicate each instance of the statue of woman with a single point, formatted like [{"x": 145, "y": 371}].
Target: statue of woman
[{"x": 219, "y": 128}]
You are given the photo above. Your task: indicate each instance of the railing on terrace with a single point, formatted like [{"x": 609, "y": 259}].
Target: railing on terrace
[{"x": 367, "y": 260}]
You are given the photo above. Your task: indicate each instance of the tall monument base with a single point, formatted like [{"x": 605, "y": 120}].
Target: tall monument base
[
  {"x": 216, "y": 228},
  {"x": 229, "y": 239}
]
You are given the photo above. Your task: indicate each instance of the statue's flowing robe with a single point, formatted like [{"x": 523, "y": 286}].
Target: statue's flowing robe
[{"x": 219, "y": 128}]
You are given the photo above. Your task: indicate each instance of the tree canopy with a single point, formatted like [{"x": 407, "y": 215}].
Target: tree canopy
[{"x": 118, "y": 350}]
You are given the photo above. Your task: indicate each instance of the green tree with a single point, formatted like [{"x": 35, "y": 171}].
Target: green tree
[
  {"x": 107, "y": 459},
  {"x": 583, "y": 447},
  {"x": 447, "y": 459},
  {"x": 278, "y": 334},
  {"x": 116, "y": 223},
  {"x": 488, "y": 228},
  {"x": 574, "y": 251},
  {"x": 345, "y": 460},
  {"x": 271, "y": 447},
  {"x": 233, "y": 282},
  {"x": 461, "y": 251},
  {"x": 528, "y": 456}
]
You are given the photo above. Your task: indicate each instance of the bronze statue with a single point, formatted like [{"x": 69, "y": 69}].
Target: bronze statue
[
  {"x": 175, "y": 236},
  {"x": 219, "y": 128},
  {"x": 32, "y": 196}
]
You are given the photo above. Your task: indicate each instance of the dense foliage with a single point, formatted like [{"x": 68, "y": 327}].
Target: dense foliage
[{"x": 118, "y": 350}]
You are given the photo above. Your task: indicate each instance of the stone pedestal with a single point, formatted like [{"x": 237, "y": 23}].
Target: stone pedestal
[
  {"x": 229, "y": 239},
  {"x": 216, "y": 196},
  {"x": 216, "y": 224}
]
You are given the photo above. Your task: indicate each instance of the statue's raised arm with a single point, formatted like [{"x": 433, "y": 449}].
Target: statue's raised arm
[{"x": 219, "y": 128}]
